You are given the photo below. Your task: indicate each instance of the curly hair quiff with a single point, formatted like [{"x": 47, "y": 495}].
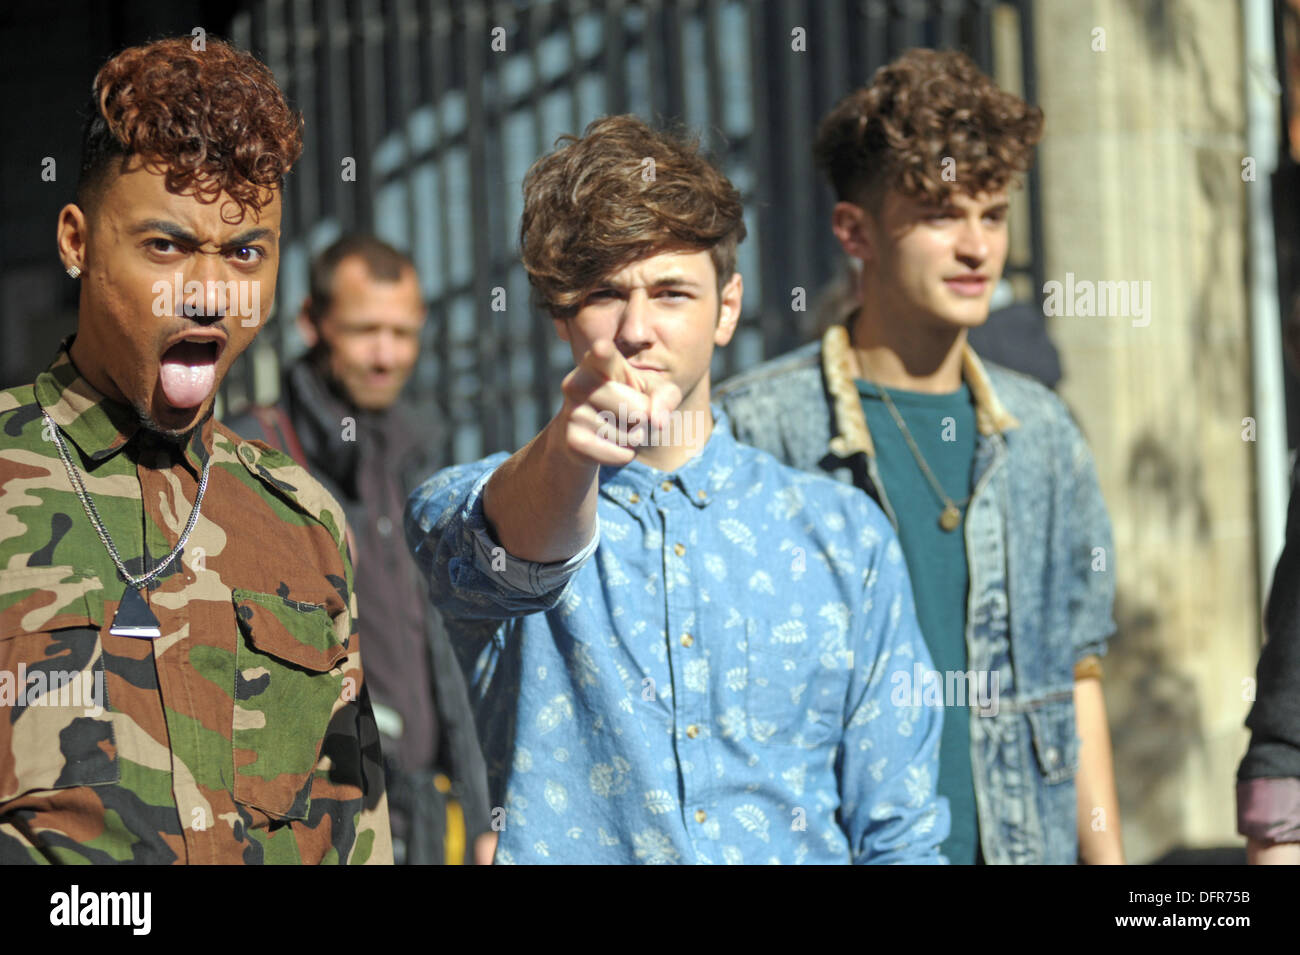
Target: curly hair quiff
[
  {"x": 924, "y": 108},
  {"x": 622, "y": 192},
  {"x": 211, "y": 120}
]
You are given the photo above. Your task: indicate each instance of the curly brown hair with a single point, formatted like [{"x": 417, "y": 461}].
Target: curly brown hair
[
  {"x": 925, "y": 107},
  {"x": 211, "y": 120},
  {"x": 598, "y": 203}
]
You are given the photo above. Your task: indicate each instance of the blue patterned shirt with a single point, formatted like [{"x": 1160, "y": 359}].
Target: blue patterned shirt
[{"x": 714, "y": 678}]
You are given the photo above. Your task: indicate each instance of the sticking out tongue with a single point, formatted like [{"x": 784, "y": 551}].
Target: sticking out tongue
[{"x": 188, "y": 373}]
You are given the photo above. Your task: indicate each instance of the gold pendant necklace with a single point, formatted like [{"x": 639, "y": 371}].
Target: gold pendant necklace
[{"x": 950, "y": 517}]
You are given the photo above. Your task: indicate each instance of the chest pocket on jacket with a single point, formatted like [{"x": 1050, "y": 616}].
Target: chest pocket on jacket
[
  {"x": 791, "y": 698},
  {"x": 1055, "y": 742},
  {"x": 55, "y": 730},
  {"x": 288, "y": 681}
]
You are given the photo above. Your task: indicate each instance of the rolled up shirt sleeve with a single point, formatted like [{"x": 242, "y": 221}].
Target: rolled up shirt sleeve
[
  {"x": 470, "y": 575},
  {"x": 1268, "y": 809}
]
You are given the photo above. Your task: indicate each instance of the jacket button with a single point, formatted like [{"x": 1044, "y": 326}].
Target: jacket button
[
  {"x": 667, "y": 485},
  {"x": 1052, "y": 755},
  {"x": 687, "y": 639},
  {"x": 701, "y": 815},
  {"x": 634, "y": 498},
  {"x": 692, "y": 731},
  {"x": 679, "y": 549}
]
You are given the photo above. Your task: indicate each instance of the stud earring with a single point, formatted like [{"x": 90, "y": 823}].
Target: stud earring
[{"x": 74, "y": 272}]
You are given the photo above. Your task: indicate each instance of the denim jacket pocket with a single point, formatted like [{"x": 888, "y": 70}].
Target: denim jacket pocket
[{"x": 1055, "y": 741}]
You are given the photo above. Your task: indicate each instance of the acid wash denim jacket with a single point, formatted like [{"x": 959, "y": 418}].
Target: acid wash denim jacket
[{"x": 1041, "y": 560}]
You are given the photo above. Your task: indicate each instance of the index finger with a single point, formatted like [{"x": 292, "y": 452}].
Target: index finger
[
  {"x": 605, "y": 359},
  {"x": 664, "y": 399}
]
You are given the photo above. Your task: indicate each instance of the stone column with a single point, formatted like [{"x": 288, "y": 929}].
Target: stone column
[{"x": 1142, "y": 185}]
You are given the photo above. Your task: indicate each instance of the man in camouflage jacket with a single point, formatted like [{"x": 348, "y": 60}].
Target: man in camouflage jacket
[{"x": 230, "y": 723}]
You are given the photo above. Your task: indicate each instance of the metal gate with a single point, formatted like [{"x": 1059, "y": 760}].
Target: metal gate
[{"x": 442, "y": 106}]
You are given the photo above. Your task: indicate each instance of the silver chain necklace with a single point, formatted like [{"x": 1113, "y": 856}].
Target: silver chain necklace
[{"x": 142, "y": 627}]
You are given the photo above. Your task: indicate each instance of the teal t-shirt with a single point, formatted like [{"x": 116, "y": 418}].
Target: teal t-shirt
[{"x": 943, "y": 427}]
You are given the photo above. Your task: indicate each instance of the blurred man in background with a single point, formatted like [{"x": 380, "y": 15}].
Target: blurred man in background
[{"x": 339, "y": 415}]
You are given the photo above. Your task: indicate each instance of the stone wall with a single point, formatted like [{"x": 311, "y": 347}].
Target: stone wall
[{"x": 1142, "y": 184}]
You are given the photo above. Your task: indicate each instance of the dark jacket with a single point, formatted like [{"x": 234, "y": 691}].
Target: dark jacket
[
  {"x": 1268, "y": 780},
  {"x": 370, "y": 462},
  {"x": 1274, "y": 719}
]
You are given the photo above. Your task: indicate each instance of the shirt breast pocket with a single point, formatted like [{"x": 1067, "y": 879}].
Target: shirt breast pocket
[
  {"x": 55, "y": 728},
  {"x": 791, "y": 698},
  {"x": 288, "y": 681}
]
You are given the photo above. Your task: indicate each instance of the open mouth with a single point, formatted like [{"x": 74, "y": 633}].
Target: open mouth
[{"x": 188, "y": 372}]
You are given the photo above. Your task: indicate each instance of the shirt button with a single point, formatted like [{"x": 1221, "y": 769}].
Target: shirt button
[
  {"x": 666, "y": 486},
  {"x": 679, "y": 549},
  {"x": 634, "y": 498},
  {"x": 701, "y": 815},
  {"x": 1052, "y": 755},
  {"x": 687, "y": 639},
  {"x": 384, "y": 525},
  {"x": 692, "y": 731}
]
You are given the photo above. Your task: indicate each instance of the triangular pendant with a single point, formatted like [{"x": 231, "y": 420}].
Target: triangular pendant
[{"x": 134, "y": 618}]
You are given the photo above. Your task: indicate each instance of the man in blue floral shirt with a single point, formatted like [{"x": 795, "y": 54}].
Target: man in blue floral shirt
[{"x": 679, "y": 649}]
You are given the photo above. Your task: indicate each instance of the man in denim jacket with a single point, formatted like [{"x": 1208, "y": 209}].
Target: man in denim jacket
[{"x": 991, "y": 486}]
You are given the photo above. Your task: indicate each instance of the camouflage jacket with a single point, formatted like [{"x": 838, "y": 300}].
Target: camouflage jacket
[{"x": 242, "y": 734}]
